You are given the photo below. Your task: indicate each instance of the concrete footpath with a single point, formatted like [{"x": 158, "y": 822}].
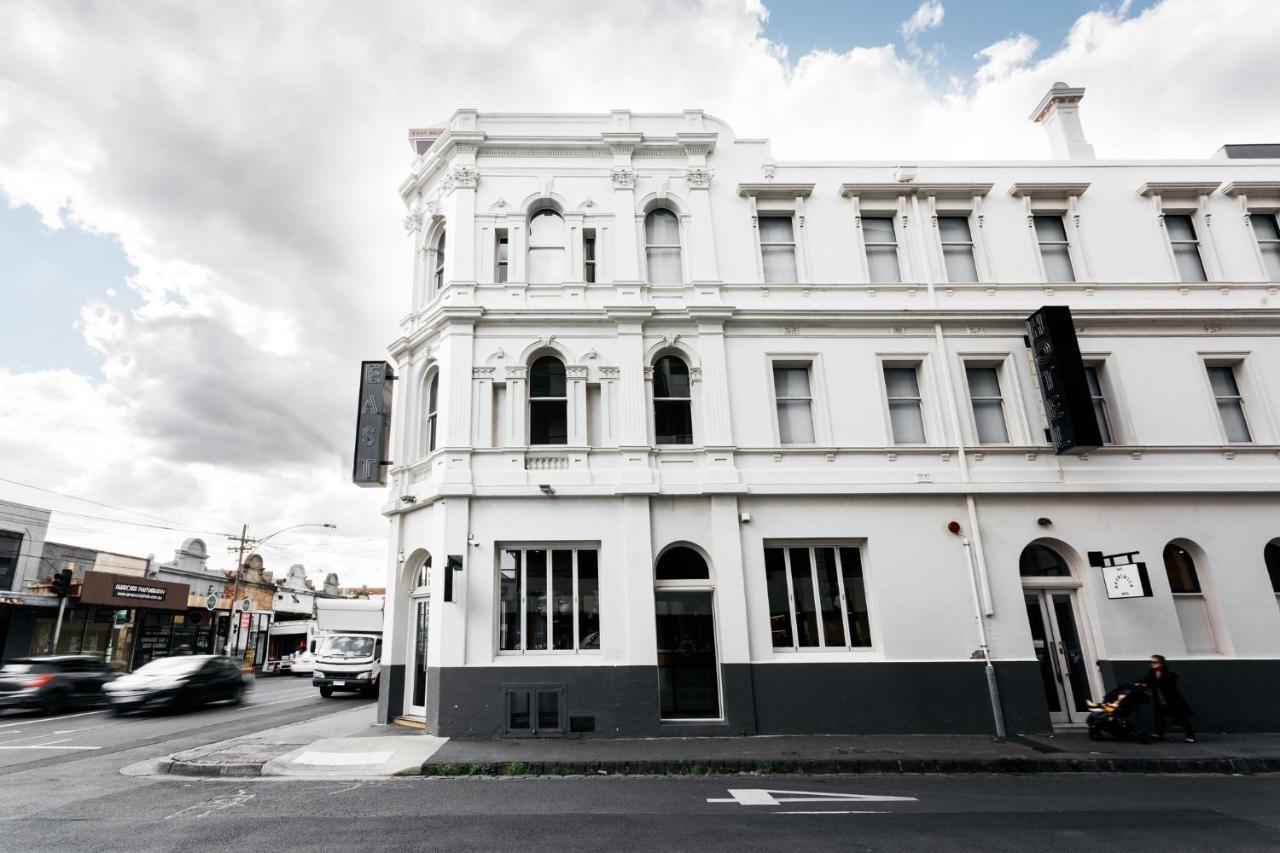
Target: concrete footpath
[{"x": 349, "y": 745}]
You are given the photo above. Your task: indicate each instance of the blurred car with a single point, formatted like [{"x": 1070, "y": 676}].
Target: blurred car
[
  {"x": 182, "y": 681},
  {"x": 302, "y": 663},
  {"x": 54, "y": 683}
]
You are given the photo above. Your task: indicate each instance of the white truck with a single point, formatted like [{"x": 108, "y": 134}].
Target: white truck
[{"x": 348, "y": 645}]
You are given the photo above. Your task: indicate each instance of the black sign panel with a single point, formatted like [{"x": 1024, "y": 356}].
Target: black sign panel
[
  {"x": 373, "y": 424},
  {"x": 1073, "y": 426}
]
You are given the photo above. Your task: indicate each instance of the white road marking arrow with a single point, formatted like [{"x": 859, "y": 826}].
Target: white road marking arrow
[{"x": 766, "y": 797}]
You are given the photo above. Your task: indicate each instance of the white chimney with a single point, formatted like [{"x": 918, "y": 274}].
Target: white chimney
[{"x": 1059, "y": 111}]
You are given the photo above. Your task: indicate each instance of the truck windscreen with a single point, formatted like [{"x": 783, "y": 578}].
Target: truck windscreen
[{"x": 347, "y": 647}]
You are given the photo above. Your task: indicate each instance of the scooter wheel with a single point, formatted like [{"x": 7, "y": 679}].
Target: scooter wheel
[
  {"x": 1144, "y": 738},
  {"x": 1095, "y": 734}
]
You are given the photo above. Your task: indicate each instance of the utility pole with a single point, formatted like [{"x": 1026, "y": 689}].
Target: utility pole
[{"x": 235, "y": 587}]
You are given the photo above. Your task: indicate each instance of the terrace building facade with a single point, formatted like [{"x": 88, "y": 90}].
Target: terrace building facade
[{"x": 681, "y": 432}]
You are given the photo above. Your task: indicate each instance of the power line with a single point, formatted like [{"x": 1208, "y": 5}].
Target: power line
[{"x": 89, "y": 501}]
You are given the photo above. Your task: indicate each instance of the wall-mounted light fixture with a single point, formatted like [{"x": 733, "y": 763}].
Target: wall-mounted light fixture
[
  {"x": 408, "y": 499},
  {"x": 1044, "y": 522},
  {"x": 546, "y": 489}
]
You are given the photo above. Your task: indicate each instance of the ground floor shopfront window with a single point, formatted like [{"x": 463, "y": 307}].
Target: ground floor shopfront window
[{"x": 548, "y": 600}]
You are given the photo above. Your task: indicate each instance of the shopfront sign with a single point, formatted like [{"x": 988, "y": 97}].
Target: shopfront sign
[
  {"x": 1068, "y": 405},
  {"x": 120, "y": 591},
  {"x": 1123, "y": 574},
  {"x": 373, "y": 424}
]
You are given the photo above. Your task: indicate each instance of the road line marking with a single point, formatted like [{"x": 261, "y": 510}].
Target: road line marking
[
  {"x": 52, "y": 719},
  {"x": 831, "y": 812},
  {"x": 47, "y": 746},
  {"x": 765, "y": 797}
]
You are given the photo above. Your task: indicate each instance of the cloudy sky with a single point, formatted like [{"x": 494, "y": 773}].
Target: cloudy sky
[{"x": 200, "y": 235}]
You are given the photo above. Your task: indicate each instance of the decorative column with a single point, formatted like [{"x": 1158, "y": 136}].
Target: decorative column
[
  {"x": 482, "y": 395},
  {"x": 716, "y": 420},
  {"x": 626, "y": 251},
  {"x": 458, "y": 193},
  {"x": 576, "y": 378},
  {"x": 633, "y": 434},
  {"x": 608, "y": 405},
  {"x": 697, "y": 176},
  {"x": 456, "y": 358},
  {"x": 517, "y": 381}
]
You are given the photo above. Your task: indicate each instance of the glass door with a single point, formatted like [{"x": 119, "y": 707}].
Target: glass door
[
  {"x": 688, "y": 673},
  {"x": 419, "y": 614},
  {"x": 1055, "y": 638}
]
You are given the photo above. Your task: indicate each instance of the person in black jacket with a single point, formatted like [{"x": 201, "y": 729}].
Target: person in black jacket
[{"x": 1166, "y": 698}]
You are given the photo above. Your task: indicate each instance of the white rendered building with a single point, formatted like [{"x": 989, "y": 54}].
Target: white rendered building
[{"x": 685, "y": 427}]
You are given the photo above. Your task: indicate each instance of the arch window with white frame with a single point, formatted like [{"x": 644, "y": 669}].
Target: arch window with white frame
[
  {"x": 546, "y": 248},
  {"x": 437, "y": 275},
  {"x": 817, "y": 597},
  {"x": 880, "y": 239},
  {"x": 1189, "y": 600},
  {"x": 662, "y": 247},
  {"x": 1271, "y": 557},
  {"x": 672, "y": 401},
  {"x": 1230, "y": 402},
  {"x": 1055, "y": 247},
  {"x": 430, "y": 411},
  {"x": 1266, "y": 230},
  {"x": 548, "y": 402},
  {"x": 778, "y": 248},
  {"x": 422, "y": 577}
]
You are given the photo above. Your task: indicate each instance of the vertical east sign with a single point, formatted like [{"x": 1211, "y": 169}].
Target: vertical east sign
[
  {"x": 1073, "y": 426},
  {"x": 373, "y": 424}
]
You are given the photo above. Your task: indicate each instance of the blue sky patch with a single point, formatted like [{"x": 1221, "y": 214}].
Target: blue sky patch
[
  {"x": 967, "y": 26},
  {"x": 46, "y": 275}
]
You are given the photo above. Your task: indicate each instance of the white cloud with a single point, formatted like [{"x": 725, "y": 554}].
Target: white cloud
[
  {"x": 926, "y": 17},
  {"x": 1001, "y": 59},
  {"x": 247, "y": 156}
]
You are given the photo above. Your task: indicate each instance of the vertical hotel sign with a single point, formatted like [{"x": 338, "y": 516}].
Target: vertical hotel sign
[
  {"x": 373, "y": 424},
  {"x": 1068, "y": 405}
]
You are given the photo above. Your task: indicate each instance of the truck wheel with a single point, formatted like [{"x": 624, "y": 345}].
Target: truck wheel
[{"x": 326, "y": 691}]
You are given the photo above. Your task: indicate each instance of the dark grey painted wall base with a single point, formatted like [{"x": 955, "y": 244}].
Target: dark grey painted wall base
[
  {"x": 391, "y": 692},
  {"x": 835, "y": 698},
  {"x": 1225, "y": 695}
]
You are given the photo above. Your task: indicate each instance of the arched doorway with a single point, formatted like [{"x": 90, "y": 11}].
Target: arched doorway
[
  {"x": 684, "y": 608},
  {"x": 1057, "y": 633},
  {"x": 415, "y": 698}
]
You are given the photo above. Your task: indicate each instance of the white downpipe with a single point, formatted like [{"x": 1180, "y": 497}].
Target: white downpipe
[{"x": 993, "y": 689}]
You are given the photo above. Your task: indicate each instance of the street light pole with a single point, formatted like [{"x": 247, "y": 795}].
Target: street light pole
[{"x": 240, "y": 560}]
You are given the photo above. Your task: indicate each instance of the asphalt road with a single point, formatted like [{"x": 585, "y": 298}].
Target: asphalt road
[{"x": 77, "y": 799}]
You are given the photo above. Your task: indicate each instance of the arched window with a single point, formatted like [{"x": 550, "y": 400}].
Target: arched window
[
  {"x": 429, "y": 412},
  {"x": 548, "y": 402},
  {"x": 662, "y": 247},
  {"x": 1271, "y": 556},
  {"x": 422, "y": 578},
  {"x": 546, "y": 248},
  {"x": 437, "y": 277},
  {"x": 681, "y": 564},
  {"x": 1189, "y": 601},
  {"x": 672, "y": 414},
  {"x": 1041, "y": 561}
]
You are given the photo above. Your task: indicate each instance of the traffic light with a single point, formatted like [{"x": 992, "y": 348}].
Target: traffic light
[{"x": 62, "y": 583}]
